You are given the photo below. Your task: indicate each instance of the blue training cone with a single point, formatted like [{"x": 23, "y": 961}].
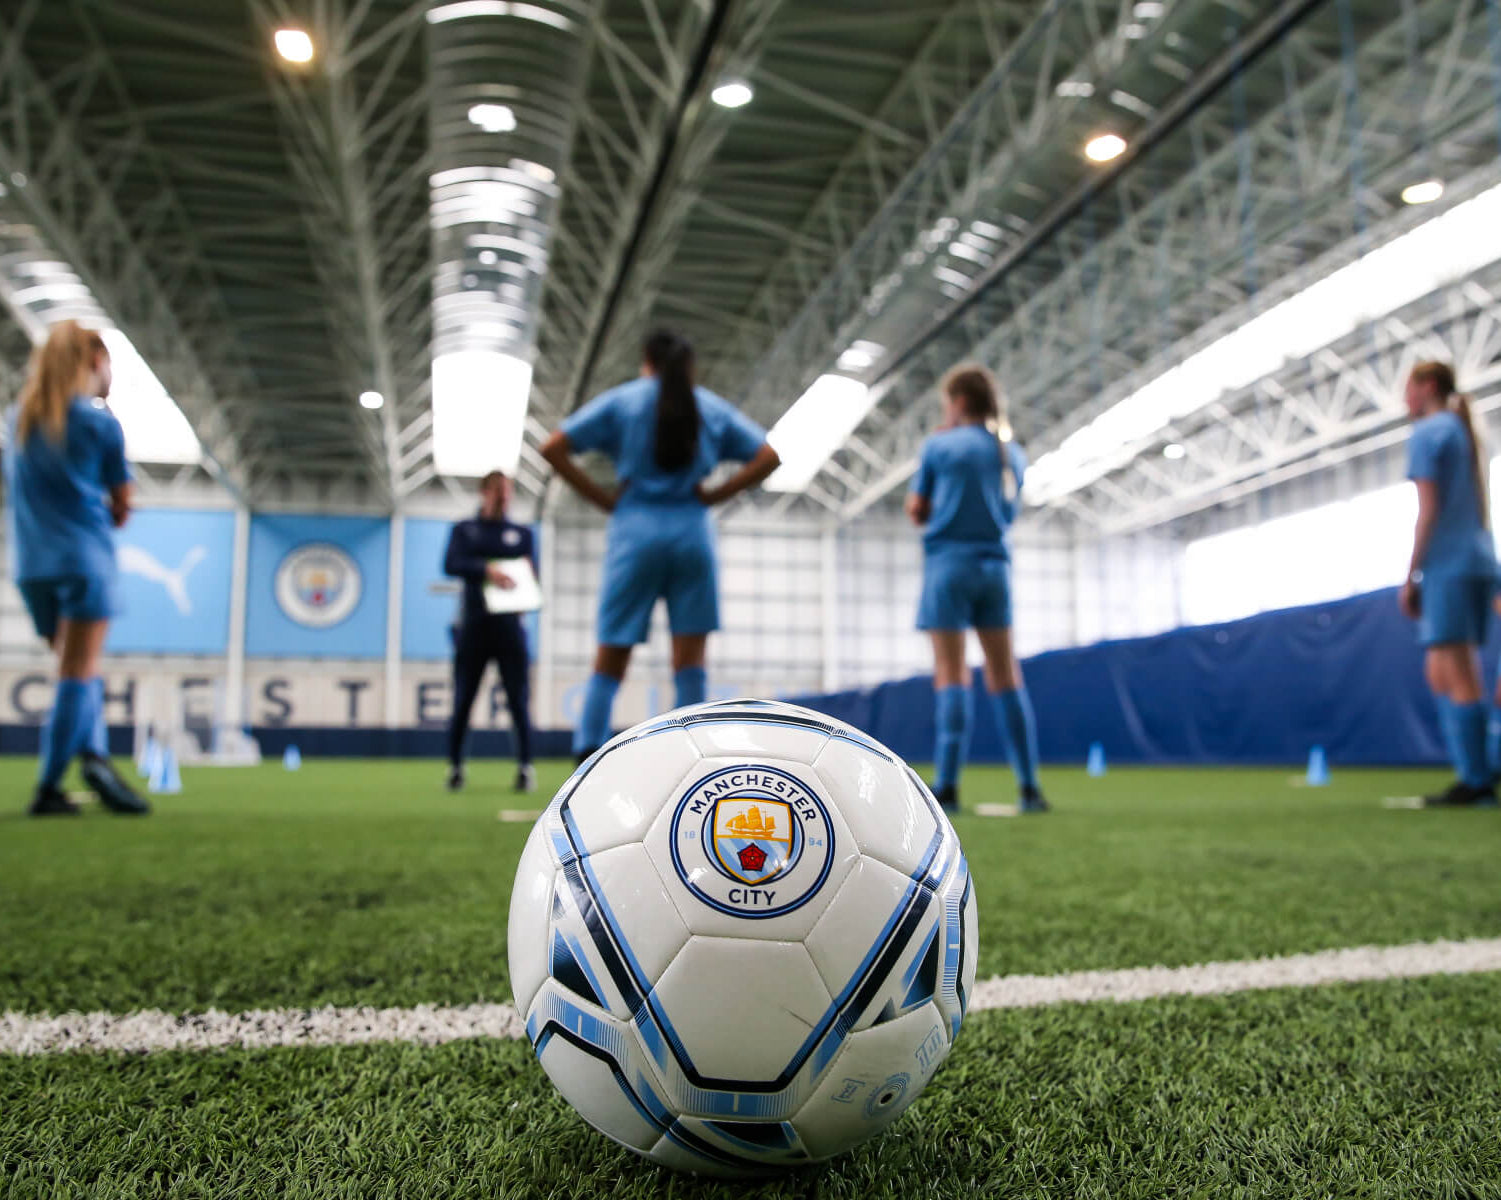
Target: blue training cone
[
  {"x": 1318, "y": 768},
  {"x": 165, "y": 780},
  {"x": 291, "y": 758},
  {"x": 1096, "y": 765},
  {"x": 174, "y": 776},
  {"x": 151, "y": 754}
]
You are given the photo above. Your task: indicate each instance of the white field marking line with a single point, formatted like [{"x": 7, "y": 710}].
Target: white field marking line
[
  {"x": 1357, "y": 965},
  {"x": 519, "y": 815},
  {"x": 429, "y": 1025},
  {"x": 152, "y": 1030}
]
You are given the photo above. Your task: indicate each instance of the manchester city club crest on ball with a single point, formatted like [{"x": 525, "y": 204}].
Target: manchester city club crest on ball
[
  {"x": 318, "y": 585},
  {"x": 752, "y": 841}
]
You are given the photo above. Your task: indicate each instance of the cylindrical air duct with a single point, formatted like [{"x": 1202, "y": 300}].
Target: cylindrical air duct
[{"x": 505, "y": 88}]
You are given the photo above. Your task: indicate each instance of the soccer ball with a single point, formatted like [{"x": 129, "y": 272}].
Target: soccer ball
[{"x": 743, "y": 936}]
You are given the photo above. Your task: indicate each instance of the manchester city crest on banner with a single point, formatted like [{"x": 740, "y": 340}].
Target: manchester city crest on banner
[
  {"x": 318, "y": 585},
  {"x": 752, "y": 841}
]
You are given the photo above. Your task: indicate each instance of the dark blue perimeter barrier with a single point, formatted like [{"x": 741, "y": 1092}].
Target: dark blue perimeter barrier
[{"x": 1346, "y": 675}]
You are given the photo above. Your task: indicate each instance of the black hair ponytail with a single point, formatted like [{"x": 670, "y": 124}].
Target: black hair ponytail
[{"x": 671, "y": 357}]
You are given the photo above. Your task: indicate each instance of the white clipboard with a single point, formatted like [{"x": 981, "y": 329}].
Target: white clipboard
[{"x": 526, "y": 596}]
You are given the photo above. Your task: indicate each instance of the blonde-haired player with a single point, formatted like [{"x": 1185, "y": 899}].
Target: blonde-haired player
[
  {"x": 965, "y": 496},
  {"x": 69, "y": 489}
]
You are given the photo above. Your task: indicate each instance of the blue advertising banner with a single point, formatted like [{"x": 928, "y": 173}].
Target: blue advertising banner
[
  {"x": 317, "y": 587},
  {"x": 430, "y": 600},
  {"x": 175, "y": 576}
]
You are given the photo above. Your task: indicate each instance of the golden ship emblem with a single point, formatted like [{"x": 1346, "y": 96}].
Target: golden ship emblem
[{"x": 751, "y": 824}]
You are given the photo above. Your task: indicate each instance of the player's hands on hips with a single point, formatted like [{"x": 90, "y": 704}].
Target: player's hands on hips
[
  {"x": 496, "y": 575},
  {"x": 1408, "y": 600},
  {"x": 706, "y": 496},
  {"x": 119, "y": 512}
]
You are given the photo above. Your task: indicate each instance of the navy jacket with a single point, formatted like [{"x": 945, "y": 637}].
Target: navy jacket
[{"x": 474, "y": 543}]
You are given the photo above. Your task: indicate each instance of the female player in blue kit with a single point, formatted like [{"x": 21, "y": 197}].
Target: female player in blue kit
[
  {"x": 69, "y": 489},
  {"x": 1451, "y": 580},
  {"x": 965, "y": 496},
  {"x": 665, "y": 436}
]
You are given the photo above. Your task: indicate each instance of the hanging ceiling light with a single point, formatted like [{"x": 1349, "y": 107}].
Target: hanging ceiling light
[
  {"x": 1425, "y": 192},
  {"x": 732, "y": 93},
  {"x": 493, "y": 118},
  {"x": 1103, "y": 147},
  {"x": 294, "y": 45}
]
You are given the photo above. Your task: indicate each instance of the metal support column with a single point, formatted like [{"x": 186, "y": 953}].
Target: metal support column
[
  {"x": 395, "y": 579},
  {"x": 829, "y": 604},
  {"x": 239, "y": 587}
]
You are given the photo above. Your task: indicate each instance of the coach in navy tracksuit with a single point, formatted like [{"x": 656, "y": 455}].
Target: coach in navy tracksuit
[{"x": 481, "y": 636}]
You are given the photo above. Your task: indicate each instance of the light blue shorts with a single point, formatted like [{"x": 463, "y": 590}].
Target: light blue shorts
[
  {"x": 1456, "y": 609},
  {"x": 965, "y": 591},
  {"x": 645, "y": 562},
  {"x": 68, "y": 598}
]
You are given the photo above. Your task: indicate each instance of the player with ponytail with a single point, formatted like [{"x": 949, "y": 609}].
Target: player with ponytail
[
  {"x": 665, "y": 436},
  {"x": 69, "y": 489},
  {"x": 1451, "y": 579},
  {"x": 965, "y": 496}
]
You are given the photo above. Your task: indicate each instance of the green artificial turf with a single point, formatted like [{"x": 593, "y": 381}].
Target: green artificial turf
[
  {"x": 367, "y": 883},
  {"x": 1375, "y": 1090}
]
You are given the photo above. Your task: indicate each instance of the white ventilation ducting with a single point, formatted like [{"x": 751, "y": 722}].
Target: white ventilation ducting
[{"x": 506, "y": 80}]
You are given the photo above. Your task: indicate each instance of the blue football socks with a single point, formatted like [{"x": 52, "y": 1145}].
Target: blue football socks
[
  {"x": 98, "y": 739},
  {"x": 594, "y": 722},
  {"x": 68, "y": 726},
  {"x": 1448, "y": 725},
  {"x": 952, "y": 725},
  {"x": 1014, "y": 712},
  {"x": 1470, "y": 722},
  {"x": 691, "y": 684}
]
